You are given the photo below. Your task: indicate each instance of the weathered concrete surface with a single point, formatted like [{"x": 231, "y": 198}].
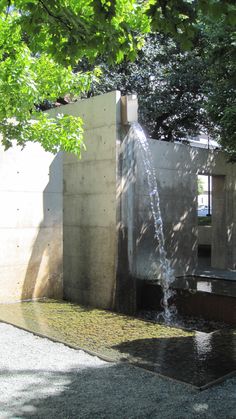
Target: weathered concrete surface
[
  {"x": 30, "y": 224},
  {"x": 177, "y": 167},
  {"x": 204, "y": 235},
  {"x": 90, "y": 239},
  {"x": 108, "y": 226}
]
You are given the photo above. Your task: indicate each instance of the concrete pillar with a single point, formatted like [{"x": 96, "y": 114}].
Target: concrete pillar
[
  {"x": 231, "y": 217},
  {"x": 90, "y": 204},
  {"x": 219, "y": 236}
]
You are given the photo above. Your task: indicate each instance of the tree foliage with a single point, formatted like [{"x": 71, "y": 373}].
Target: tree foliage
[
  {"x": 182, "y": 92},
  {"x": 200, "y": 186},
  {"x": 41, "y": 41},
  {"x": 221, "y": 86},
  {"x": 215, "y": 21},
  {"x": 168, "y": 82}
]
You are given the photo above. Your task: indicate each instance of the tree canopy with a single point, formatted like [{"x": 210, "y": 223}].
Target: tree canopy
[
  {"x": 169, "y": 83},
  {"x": 183, "y": 91},
  {"x": 41, "y": 42},
  {"x": 221, "y": 84}
]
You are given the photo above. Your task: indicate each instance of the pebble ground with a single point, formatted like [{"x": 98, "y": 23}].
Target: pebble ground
[{"x": 43, "y": 379}]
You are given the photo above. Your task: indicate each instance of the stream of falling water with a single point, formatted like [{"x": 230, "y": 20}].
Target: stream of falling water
[{"x": 167, "y": 273}]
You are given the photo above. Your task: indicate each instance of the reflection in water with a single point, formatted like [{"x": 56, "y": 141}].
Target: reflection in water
[
  {"x": 200, "y": 407},
  {"x": 203, "y": 345},
  {"x": 204, "y": 286},
  {"x": 197, "y": 360}
]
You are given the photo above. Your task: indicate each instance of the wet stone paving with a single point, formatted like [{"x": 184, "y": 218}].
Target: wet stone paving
[{"x": 195, "y": 357}]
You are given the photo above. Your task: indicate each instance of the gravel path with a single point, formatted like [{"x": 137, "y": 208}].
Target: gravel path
[{"x": 43, "y": 379}]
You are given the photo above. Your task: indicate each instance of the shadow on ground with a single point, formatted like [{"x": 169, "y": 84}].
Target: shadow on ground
[{"x": 112, "y": 391}]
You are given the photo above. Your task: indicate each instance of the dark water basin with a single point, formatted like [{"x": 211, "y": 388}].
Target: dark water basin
[
  {"x": 211, "y": 300},
  {"x": 199, "y": 360},
  {"x": 206, "y": 306},
  {"x": 198, "y": 324}
]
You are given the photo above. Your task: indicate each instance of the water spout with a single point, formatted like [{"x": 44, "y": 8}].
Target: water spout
[{"x": 167, "y": 273}]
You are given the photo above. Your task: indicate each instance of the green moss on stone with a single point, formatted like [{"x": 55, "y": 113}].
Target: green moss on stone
[{"x": 99, "y": 331}]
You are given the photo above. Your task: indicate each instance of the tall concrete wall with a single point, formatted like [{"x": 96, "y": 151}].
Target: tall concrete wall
[
  {"x": 177, "y": 188},
  {"x": 176, "y": 169},
  {"x": 108, "y": 229},
  {"x": 30, "y": 224},
  {"x": 90, "y": 245}
]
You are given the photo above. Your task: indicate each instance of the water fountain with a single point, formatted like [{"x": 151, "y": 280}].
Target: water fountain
[{"x": 167, "y": 274}]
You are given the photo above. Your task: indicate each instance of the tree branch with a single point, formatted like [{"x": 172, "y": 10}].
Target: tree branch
[{"x": 55, "y": 16}]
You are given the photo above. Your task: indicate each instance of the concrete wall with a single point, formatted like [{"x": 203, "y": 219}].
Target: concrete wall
[
  {"x": 30, "y": 224},
  {"x": 205, "y": 235},
  {"x": 176, "y": 168},
  {"x": 177, "y": 190},
  {"x": 108, "y": 228},
  {"x": 90, "y": 245},
  {"x": 184, "y": 164}
]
